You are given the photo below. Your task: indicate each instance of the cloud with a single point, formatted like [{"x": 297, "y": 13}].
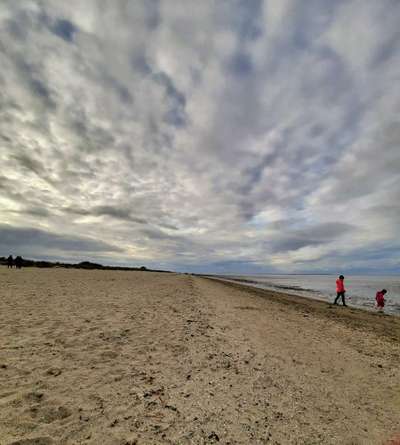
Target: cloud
[
  {"x": 292, "y": 240},
  {"x": 253, "y": 134},
  {"x": 64, "y": 29},
  {"x": 24, "y": 239},
  {"x": 175, "y": 114}
]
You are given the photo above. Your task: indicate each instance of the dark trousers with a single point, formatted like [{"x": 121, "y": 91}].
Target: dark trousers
[{"x": 338, "y": 295}]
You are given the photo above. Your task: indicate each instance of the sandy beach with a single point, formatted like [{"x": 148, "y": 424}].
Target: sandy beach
[{"x": 118, "y": 358}]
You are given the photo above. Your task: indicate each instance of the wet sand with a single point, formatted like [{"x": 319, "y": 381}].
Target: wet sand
[{"x": 110, "y": 357}]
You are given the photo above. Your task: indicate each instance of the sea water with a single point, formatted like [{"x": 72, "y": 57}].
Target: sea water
[{"x": 360, "y": 290}]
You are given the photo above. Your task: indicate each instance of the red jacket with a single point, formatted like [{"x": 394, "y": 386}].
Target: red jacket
[
  {"x": 340, "y": 285},
  {"x": 380, "y": 298}
]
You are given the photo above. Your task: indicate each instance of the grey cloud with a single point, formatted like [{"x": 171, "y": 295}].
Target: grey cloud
[
  {"x": 326, "y": 231},
  {"x": 375, "y": 258},
  {"x": 40, "y": 212},
  {"x": 245, "y": 18},
  {"x": 157, "y": 234},
  {"x": 241, "y": 64},
  {"x": 124, "y": 93},
  {"x": 20, "y": 238},
  {"x": 28, "y": 209},
  {"x": 170, "y": 88},
  {"x": 291, "y": 240},
  {"x": 140, "y": 64},
  {"x": 30, "y": 163},
  {"x": 152, "y": 14},
  {"x": 121, "y": 213},
  {"x": 176, "y": 114},
  {"x": 105, "y": 210},
  {"x": 34, "y": 165},
  {"x": 32, "y": 19},
  {"x": 22, "y": 21},
  {"x": 64, "y": 29},
  {"x": 40, "y": 89},
  {"x": 368, "y": 169},
  {"x": 389, "y": 43},
  {"x": 111, "y": 211},
  {"x": 35, "y": 83},
  {"x": 289, "y": 244}
]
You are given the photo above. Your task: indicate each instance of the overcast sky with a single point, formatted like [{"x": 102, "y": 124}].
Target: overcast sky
[{"x": 224, "y": 136}]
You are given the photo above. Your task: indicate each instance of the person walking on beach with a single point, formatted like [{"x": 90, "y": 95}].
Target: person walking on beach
[
  {"x": 10, "y": 262},
  {"x": 340, "y": 290},
  {"x": 380, "y": 299},
  {"x": 18, "y": 262}
]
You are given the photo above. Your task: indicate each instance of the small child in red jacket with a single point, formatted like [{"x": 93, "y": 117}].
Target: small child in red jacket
[
  {"x": 380, "y": 299},
  {"x": 340, "y": 290}
]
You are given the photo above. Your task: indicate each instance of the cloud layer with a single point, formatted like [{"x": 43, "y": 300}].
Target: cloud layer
[{"x": 220, "y": 136}]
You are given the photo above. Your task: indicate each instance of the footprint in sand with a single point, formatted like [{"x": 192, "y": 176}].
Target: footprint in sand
[
  {"x": 6, "y": 397},
  {"x": 109, "y": 355},
  {"x": 54, "y": 371},
  {"x": 49, "y": 414},
  {"x": 44, "y": 411},
  {"x": 34, "y": 396}
]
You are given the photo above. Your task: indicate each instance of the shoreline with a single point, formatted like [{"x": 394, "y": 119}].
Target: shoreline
[
  {"x": 384, "y": 324},
  {"x": 313, "y": 294}
]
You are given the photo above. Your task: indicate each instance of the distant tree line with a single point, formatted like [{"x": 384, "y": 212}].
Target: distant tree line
[{"x": 20, "y": 262}]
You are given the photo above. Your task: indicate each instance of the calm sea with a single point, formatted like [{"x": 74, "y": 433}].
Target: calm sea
[{"x": 360, "y": 293}]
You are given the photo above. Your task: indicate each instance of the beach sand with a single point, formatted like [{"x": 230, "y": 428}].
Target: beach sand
[{"x": 112, "y": 357}]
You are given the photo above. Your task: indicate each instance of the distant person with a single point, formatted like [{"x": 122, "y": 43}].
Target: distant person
[
  {"x": 18, "y": 262},
  {"x": 340, "y": 290},
  {"x": 10, "y": 262},
  {"x": 380, "y": 299}
]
